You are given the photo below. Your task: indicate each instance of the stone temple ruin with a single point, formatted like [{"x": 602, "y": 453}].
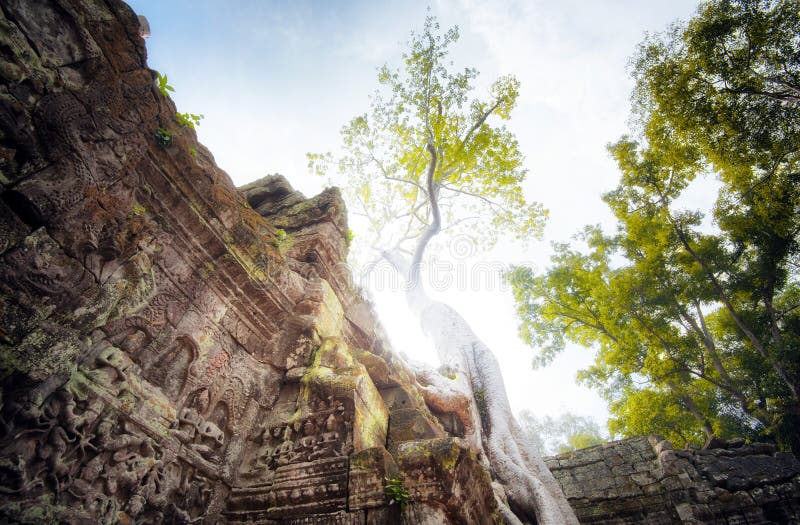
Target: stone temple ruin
[{"x": 177, "y": 350}]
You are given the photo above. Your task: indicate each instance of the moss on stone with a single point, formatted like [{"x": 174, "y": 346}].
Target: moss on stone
[
  {"x": 443, "y": 453},
  {"x": 79, "y": 384},
  {"x": 376, "y": 366},
  {"x": 480, "y": 403},
  {"x": 334, "y": 372},
  {"x": 40, "y": 355},
  {"x": 449, "y": 456},
  {"x": 371, "y": 417},
  {"x": 330, "y": 317},
  {"x": 41, "y": 511}
]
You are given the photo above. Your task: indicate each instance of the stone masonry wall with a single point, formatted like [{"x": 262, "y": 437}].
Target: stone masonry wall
[
  {"x": 643, "y": 480},
  {"x": 174, "y": 349}
]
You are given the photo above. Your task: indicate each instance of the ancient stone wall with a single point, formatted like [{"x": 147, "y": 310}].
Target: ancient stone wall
[
  {"x": 173, "y": 349},
  {"x": 643, "y": 480}
]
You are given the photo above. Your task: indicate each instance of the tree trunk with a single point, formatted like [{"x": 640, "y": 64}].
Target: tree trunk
[{"x": 531, "y": 490}]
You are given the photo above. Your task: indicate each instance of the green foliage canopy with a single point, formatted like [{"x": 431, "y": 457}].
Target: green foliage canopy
[
  {"x": 696, "y": 324},
  {"x": 429, "y": 156}
]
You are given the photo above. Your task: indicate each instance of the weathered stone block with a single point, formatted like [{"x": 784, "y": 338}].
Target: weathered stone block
[
  {"x": 445, "y": 470},
  {"x": 309, "y": 488},
  {"x": 699, "y": 486},
  {"x": 369, "y": 470}
]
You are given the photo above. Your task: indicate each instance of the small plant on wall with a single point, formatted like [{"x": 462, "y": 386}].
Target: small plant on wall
[
  {"x": 188, "y": 120},
  {"x": 283, "y": 241},
  {"x": 396, "y": 490},
  {"x": 163, "y": 85},
  {"x": 163, "y": 137}
]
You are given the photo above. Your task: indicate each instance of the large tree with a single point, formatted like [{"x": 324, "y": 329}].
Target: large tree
[
  {"x": 695, "y": 322},
  {"x": 430, "y": 160}
]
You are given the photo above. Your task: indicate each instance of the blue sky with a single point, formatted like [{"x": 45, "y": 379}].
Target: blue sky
[{"x": 278, "y": 79}]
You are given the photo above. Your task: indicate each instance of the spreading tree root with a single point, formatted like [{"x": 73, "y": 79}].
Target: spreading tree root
[
  {"x": 530, "y": 488},
  {"x": 530, "y": 492}
]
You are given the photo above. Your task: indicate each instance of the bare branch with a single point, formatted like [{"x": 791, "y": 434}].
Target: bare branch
[
  {"x": 490, "y": 202},
  {"x": 385, "y": 173},
  {"x": 433, "y": 228}
]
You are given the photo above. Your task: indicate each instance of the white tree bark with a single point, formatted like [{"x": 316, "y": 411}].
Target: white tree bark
[{"x": 530, "y": 488}]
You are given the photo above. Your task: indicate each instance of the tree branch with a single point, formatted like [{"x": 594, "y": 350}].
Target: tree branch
[
  {"x": 784, "y": 375},
  {"x": 477, "y": 196},
  {"x": 478, "y": 123},
  {"x": 433, "y": 228}
]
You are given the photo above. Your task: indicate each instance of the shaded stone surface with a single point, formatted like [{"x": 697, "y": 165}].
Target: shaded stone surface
[
  {"x": 643, "y": 480},
  {"x": 174, "y": 349}
]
